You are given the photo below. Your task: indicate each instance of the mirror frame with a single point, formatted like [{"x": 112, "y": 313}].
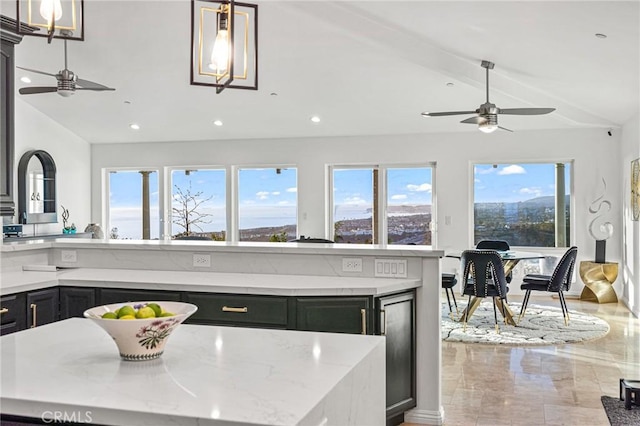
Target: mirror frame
[{"x": 49, "y": 172}]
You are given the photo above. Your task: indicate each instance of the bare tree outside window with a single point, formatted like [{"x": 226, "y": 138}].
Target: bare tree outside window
[{"x": 187, "y": 212}]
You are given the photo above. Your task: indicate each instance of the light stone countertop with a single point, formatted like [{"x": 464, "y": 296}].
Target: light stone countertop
[
  {"x": 211, "y": 282},
  {"x": 207, "y": 376}
]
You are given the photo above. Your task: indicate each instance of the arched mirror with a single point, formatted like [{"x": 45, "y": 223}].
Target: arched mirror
[{"x": 37, "y": 188}]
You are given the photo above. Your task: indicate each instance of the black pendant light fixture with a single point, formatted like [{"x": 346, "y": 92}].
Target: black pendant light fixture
[
  {"x": 224, "y": 44},
  {"x": 54, "y": 18}
]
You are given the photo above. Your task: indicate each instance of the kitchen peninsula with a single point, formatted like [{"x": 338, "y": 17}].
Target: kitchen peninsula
[{"x": 293, "y": 286}]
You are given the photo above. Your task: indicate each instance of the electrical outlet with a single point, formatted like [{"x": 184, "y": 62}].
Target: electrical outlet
[
  {"x": 202, "y": 260},
  {"x": 391, "y": 268},
  {"x": 68, "y": 256},
  {"x": 351, "y": 264}
]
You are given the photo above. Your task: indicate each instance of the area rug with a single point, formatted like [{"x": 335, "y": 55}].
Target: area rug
[
  {"x": 542, "y": 325},
  {"x": 617, "y": 414}
]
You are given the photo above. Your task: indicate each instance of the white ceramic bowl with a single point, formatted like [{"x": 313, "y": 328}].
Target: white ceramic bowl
[{"x": 141, "y": 339}]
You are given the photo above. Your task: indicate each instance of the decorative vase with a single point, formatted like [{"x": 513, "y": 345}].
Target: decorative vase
[{"x": 96, "y": 230}]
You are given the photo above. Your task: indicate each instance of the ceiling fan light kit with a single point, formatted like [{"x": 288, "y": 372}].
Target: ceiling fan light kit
[
  {"x": 224, "y": 44},
  {"x": 53, "y": 18},
  {"x": 487, "y": 118}
]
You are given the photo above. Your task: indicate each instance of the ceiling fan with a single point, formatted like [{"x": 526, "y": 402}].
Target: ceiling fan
[
  {"x": 68, "y": 82},
  {"x": 487, "y": 118}
]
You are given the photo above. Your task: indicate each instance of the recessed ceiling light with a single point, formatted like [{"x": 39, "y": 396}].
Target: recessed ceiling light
[
  {"x": 134, "y": 126},
  {"x": 450, "y": 84},
  {"x": 273, "y": 94},
  {"x": 25, "y": 79},
  {"x": 127, "y": 102},
  {"x": 600, "y": 35},
  {"x": 315, "y": 119},
  {"x": 218, "y": 123}
]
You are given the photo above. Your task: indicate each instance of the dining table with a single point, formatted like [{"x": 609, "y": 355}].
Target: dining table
[{"x": 510, "y": 258}]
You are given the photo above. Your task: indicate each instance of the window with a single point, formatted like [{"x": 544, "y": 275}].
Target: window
[
  {"x": 524, "y": 204},
  {"x": 198, "y": 204},
  {"x": 267, "y": 204},
  {"x": 403, "y": 193},
  {"x": 133, "y": 205}
]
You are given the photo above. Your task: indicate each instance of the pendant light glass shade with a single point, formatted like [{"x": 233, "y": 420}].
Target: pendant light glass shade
[{"x": 52, "y": 18}]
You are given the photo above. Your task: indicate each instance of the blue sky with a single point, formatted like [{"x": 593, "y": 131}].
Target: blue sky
[{"x": 515, "y": 182}]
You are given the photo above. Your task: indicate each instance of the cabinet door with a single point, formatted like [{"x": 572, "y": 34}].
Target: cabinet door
[
  {"x": 13, "y": 317},
  {"x": 43, "y": 307},
  {"x": 334, "y": 314},
  {"x": 75, "y": 300},
  {"x": 396, "y": 321},
  {"x": 7, "y": 206},
  {"x": 107, "y": 296}
]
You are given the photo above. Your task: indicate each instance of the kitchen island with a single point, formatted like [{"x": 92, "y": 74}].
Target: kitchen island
[
  {"x": 207, "y": 376},
  {"x": 296, "y": 286}
]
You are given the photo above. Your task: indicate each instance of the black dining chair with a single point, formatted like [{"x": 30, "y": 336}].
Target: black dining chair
[
  {"x": 483, "y": 276},
  {"x": 558, "y": 282},
  {"x": 499, "y": 245},
  {"x": 448, "y": 282}
]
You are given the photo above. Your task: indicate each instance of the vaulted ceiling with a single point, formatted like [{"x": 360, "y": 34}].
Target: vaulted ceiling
[{"x": 363, "y": 67}]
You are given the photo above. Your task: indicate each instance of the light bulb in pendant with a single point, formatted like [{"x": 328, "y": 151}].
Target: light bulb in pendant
[
  {"x": 50, "y": 8},
  {"x": 487, "y": 127},
  {"x": 220, "y": 52}
]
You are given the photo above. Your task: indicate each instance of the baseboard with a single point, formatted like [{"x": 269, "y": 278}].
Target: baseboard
[{"x": 424, "y": 417}]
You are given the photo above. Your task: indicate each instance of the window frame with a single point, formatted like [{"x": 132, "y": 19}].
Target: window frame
[
  {"x": 571, "y": 186},
  {"x": 382, "y": 197}
]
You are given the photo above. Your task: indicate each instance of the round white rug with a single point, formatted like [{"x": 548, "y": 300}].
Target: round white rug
[{"x": 541, "y": 325}]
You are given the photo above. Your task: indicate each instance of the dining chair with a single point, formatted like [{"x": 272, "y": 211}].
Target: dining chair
[
  {"x": 448, "y": 282},
  {"x": 558, "y": 282},
  {"x": 499, "y": 245},
  {"x": 483, "y": 276}
]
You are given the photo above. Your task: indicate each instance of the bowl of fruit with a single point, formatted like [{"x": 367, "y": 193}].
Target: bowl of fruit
[{"x": 140, "y": 329}]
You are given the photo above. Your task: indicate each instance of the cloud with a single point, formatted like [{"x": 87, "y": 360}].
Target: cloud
[
  {"x": 476, "y": 180},
  {"x": 355, "y": 200},
  {"x": 294, "y": 189},
  {"x": 531, "y": 191},
  {"x": 262, "y": 195},
  {"x": 425, "y": 187},
  {"x": 399, "y": 197},
  {"x": 513, "y": 169},
  {"x": 479, "y": 171},
  {"x": 275, "y": 193}
]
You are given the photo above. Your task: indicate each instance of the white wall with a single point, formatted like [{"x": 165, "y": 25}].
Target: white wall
[
  {"x": 596, "y": 156},
  {"x": 630, "y": 270},
  {"x": 72, "y": 155}
]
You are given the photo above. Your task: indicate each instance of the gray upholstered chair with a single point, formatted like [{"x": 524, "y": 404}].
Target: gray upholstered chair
[
  {"x": 558, "y": 282},
  {"x": 483, "y": 276},
  {"x": 499, "y": 245}
]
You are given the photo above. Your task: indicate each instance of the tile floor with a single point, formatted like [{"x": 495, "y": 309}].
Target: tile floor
[{"x": 544, "y": 385}]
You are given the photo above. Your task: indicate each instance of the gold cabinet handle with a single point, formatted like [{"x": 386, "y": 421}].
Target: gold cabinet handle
[
  {"x": 383, "y": 332},
  {"x": 34, "y": 310},
  {"x": 242, "y": 310},
  {"x": 4, "y": 310},
  {"x": 363, "y": 315}
]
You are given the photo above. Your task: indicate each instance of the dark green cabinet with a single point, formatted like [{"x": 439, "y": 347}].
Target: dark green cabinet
[
  {"x": 239, "y": 310},
  {"x": 43, "y": 307},
  {"x": 107, "y": 296},
  {"x": 75, "y": 300},
  {"x": 334, "y": 314},
  {"x": 13, "y": 313},
  {"x": 396, "y": 321}
]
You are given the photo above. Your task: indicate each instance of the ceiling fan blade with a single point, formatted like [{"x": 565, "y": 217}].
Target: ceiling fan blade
[
  {"x": 36, "y": 71},
  {"x": 526, "y": 111},
  {"x": 95, "y": 89},
  {"x": 34, "y": 90},
  {"x": 474, "y": 120},
  {"x": 441, "y": 114},
  {"x": 89, "y": 84},
  {"x": 504, "y": 128}
]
